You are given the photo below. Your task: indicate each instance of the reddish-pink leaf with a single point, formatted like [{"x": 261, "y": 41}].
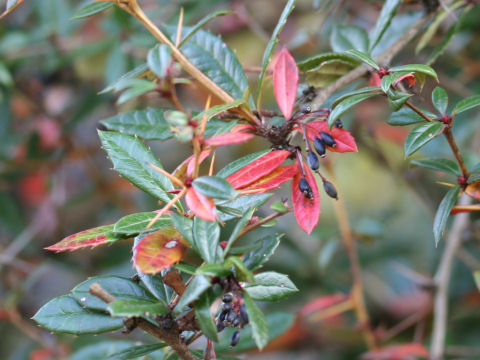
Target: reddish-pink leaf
[
  {"x": 285, "y": 82},
  {"x": 258, "y": 169},
  {"x": 88, "y": 238},
  {"x": 398, "y": 352},
  {"x": 159, "y": 250},
  {"x": 344, "y": 140},
  {"x": 185, "y": 169},
  {"x": 201, "y": 206},
  {"x": 273, "y": 180},
  {"x": 410, "y": 78},
  {"x": 239, "y": 134},
  {"x": 306, "y": 211},
  {"x": 322, "y": 303}
]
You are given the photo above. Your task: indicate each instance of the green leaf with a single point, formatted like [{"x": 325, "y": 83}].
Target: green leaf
[
  {"x": 254, "y": 259},
  {"x": 272, "y": 43},
  {"x": 346, "y": 104},
  {"x": 237, "y": 230},
  {"x": 476, "y": 277},
  {"x": 467, "y": 104},
  {"x": 202, "y": 22},
  {"x": 92, "y": 9},
  {"x": 445, "y": 165},
  {"x": 242, "y": 204},
  {"x": 214, "y": 58},
  {"x": 187, "y": 268},
  {"x": 158, "y": 59},
  {"x": 197, "y": 287},
  {"x": 396, "y": 99},
  {"x": 365, "y": 90},
  {"x": 155, "y": 285},
  {"x": 420, "y": 136},
  {"x": 440, "y": 100},
  {"x": 240, "y": 163},
  {"x": 279, "y": 207},
  {"x": 204, "y": 316},
  {"x": 217, "y": 109},
  {"x": 134, "y": 352},
  {"x": 64, "y": 315},
  {"x": 101, "y": 350},
  {"x": 329, "y": 71},
  {"x": 206, "y": 235},
  {"x": 315, "y": 62},
  {"x": 445, "y": 42},
  {"x": 119, "y": 287},
  {"x": 383, "y": 21},
  {"x": 388, "y": 80},
  {"x": 278, "y": 323},
  {"x": 133, "y": 88},
  {"x": 148, "y": 124},
  {"x": 416, "y": 68},
  {"x": 215, "y": 187},
  {"x": 257, "y": 321},
  {"x": 134, "y": 224},
  {"x": 363, "y": 57},
  {"x": 349, "y": 37},
  {"x": 270, "y": 286},
  {"x": 136, "y": 308},
  {"x": 407, "y": 116},
  {"x": 184, "y": 225},
  {"x": 443, "y": 212},
  {"x": 474, "y": 176},
  {"x": 116, "y": 85},
  {"x": 130, "y": 158},
  {"x": 216, "y": 127},
  {"x": 242, "y": 272},
  {"x": 5, "y": 76},
  {"x": 213, "y": 270}
]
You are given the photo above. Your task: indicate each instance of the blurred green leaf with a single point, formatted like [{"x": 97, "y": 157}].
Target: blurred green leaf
[
  {"x": 217, "y": 109},
  {"x": 204, "y": 316},
  {"x": 383, "y": 21},
  {"x": 440, "y": 100},
  {"x": 363, "y": 57},
  {"x": 136, "y": 308},
  {"x": 476, "y": 277},
  {"x": 5, "y": 76},
  {"x": 206, "y": 235},
  {"x": 396, "y": 99},
  {"x": 315, "y": 62},
  {"x": 349, "y": 37},
  {"x": 237, "y": 230},
  {"x": 134, "y": 224},
  {"x": 365, "y": 90},
  {"x": 342, "y": 107},
  {"x": 155, "y": 285},
  {"x": 242, "y": 272},
  {"x": 134, "y": 352},
  {"x": 132, "y": 88},
  {"x": 101, "y": 350},
  {"x": 184, "y": 225},
  {"x": 420, "y": 136},
  {"x": 270, "y": 286},
  {"x": 202, "y": 22},
  {"x": 256, "y": 258},
  {"x": 194, "y": 290},
  {"x": 215, "y": 187},
  {"x": 467, "y": 104},
  {"x": 242, "y": 204},
  {"x": 92, "y": 9},
  {"x": 257, "y": 321},
  {"x": 416, "y": 68},
  {"x": 443, "y": 211},
  {"x": 407, "y": 116},
  {"x": 131, "y": 159},
  {"x": 213, "y": 270},
  {"x": 64, "y": 315},
  {"x": 158, "y": 59},
  {"x": 446, "y": 165},
  {"x": 116, "y": 85}
]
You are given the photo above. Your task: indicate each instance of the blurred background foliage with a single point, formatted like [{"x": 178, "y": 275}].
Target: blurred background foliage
[{"x": 55, "y": 179}]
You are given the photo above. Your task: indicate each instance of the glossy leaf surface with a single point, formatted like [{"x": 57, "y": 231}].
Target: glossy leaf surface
[
  {"x": 420, "y": 136},
  {"x": 443, "y": 211},
  {"x": 306, "y": 211},
  {"x": 271, "y": 286},
  {"x": 285, "y": 82},
  {"x": 201, "y": 206},
  {"x": 88, "y": 238}
]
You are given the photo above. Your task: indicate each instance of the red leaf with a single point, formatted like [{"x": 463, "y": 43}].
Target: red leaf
[
  {"x": 258, "y": 169},
  {"x": 409, "y": 77},
  {"x": 159, "y": 250},
  {"x": 343, "y": 138},
  {"x": 398, "y": 352},
  {"x": 201, "y": 206},
  {"x": 306, "y": 211},
  {"x": 457, "y": 209},
  {"x": 473, "y": 190},
  {"x": 273, "y": 180},
  {"x": 285, "y": 82},
  {"x": 88, "y": 238},
  {"x": 322, "y": 303},
  {"x": 185, "y": 169},
  {"x": 375, "y": 80},
  {"x": 238, "y": 135}
]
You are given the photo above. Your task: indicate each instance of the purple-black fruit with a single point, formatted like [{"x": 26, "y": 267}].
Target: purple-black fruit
[
  {"x": 227, "y": 298},
  {"x": 231, "y": 316},
  {"x": 243, "y": 314},
  {"x": 327, "y": 139},
  {"x": 312, "y": 160},
  {"x": 338, "y": 124},
  {"x": 305, "y": 188},
  {"x": 235, "y": 338},
  {"x": 306, "y": 109},
  {"x": 330, "y": 189},
  {"x": 319, "y": 146}
]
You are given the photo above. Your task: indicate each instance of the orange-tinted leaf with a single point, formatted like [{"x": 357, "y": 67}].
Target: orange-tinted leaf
[
  {"x": 398, "y": 352},
  {"x": 464, "y": 208},
  {"x": 159, "y": 250},
  {"x": 239, "y": 134},
  {"x": 285, "y": 82},
  {"x": 258, "y": 169},
  {"x": 306, "y": 211},
  {"x": 185, "y": 169},
  {"x": 88, "y": 238},
  {"x": 201, "y": 206},
  {"x": 322, "y": 303},
  {"x": 473, "y": 189},
  {"x": 273, "y": 180},
  {"x": 343, "y": 138}
]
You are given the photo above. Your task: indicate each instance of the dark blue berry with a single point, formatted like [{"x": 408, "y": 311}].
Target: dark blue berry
[
  {"x": 305, "y": 188},
  {"x": 319, "y": 146},
  {"x": 338, "y": 124},
  {"x": 312, "y": 160},
  {"x": 328, "y": 139},
  {"x": 330, "y": 189},
  {"x": 235, "y": 338}
]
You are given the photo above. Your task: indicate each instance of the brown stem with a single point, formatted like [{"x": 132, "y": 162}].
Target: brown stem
[
  {"x": 170, "y": 336},
  {"x": 357, "y": 291},
  {"x": 418, "y": 111},
  {"x": 271, "y": 217}
]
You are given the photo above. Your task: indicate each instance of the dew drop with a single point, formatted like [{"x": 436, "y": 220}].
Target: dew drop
[
  {"x": 171, "y": 244},
  {"x": 282, "y": 285},
  {"x": 83, "y": 299}
]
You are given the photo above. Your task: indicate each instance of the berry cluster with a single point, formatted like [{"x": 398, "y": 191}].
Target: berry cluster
[{"x": 233, "y": 314}]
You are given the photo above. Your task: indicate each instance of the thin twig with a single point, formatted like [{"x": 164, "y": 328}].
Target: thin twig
[
  {"x": 442, "y": 281},
  {"x": 269, "y": 218}
]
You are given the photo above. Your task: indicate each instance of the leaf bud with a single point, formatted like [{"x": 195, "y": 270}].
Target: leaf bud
[
  {"x": 328, "y": 139},
  {"x": 312, "y": 160},
  {"x": 176, "y": 118}
]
